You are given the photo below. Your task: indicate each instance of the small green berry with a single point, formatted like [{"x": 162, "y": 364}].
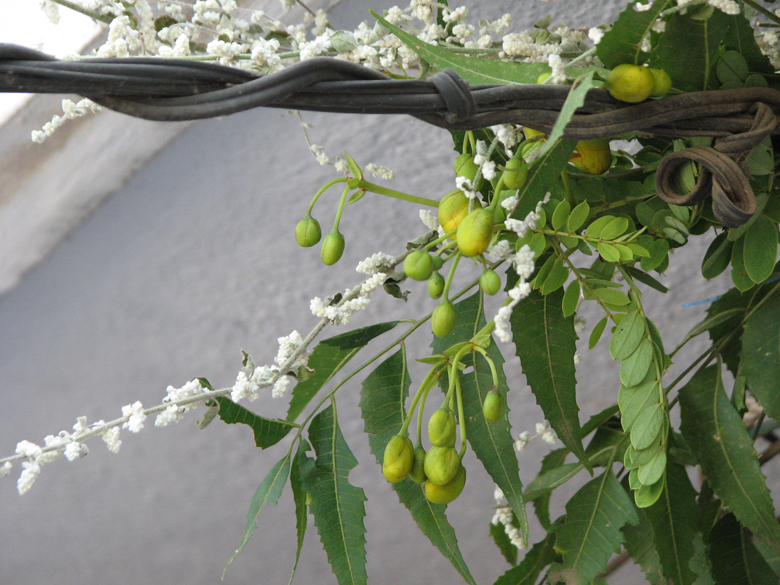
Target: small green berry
[
  {"x": 443, "y": 319},
  {"x": 417, "y": 474},
  {"x": 398, "y": 459},
  {"x": 308, "y": 232},
  {"x": 444, "y": 494},
  {"x": 441, "y": 464},
  {"x": 493, "y": 407},
  {"x": 441, "y": 428},
  {"x": 630, "y": 83},
  {"x": 332, "y": 248},
  {"x": 418, "y": 265},
  {"x": 475, "y": 232},
  {"x": 435, "y": 285},
  {"x": 490, "y": 282},
  {"x": 515, "y": 173}
]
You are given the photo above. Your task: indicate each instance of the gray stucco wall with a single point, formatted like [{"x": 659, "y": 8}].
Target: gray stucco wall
[{"x": 191, "y": 261}]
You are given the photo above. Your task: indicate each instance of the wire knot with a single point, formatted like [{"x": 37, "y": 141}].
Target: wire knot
[
  {"x": 456, "y": 94},
  {"x": 724, "y": 174}
]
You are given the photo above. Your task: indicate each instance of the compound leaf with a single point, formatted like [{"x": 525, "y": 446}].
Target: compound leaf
[
  {"x": 623, "y": 41},
  {"x": 735, "y": 558},
  {"x": 267, "y": 431}
]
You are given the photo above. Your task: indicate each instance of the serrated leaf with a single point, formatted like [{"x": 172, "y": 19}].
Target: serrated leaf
[
  {"x": 674, "y": 520},
  {"x": 381, "y": 403},
  {"x": 504, "y": 543},
  {"x": 475, "y": 70},
  {"x": 741, "y": 37},
  {"x": 541, "y": 503},
  {"x": 492, "y": 442},
  {"x": 635, "y": 366},
  {"x": 716, "y": 435},
  {"x": 556, "y": 278},
  {"x": 545, "y": 342},
  {"x": 267, "y": 492},
  {"x": 267, "y": 431},
  {"x": 712, "y": 322},
  {"x": 544, "y": 172},
  {"x": 336, "y": 504},
  {"x": 699, "y": 41},
  {"x": 760, "y": 356},
  {"x": 760, "y": 249},
  {"x": 735, "y": 558},
  {"x": 732, "y": 299},
  {"x": 328, "y": 358},
  {"x": 623, "y": 42},
  {"x": 578, "y": 217},
  {"x": 535, "y": 560},
  {"x": 640, "y": 547},
  {"x": 591, "y": 533},
  {"x": 645, "y": 278},
  {"x": 299, "y": 497}
]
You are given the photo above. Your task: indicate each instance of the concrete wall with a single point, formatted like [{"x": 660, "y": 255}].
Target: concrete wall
[{"x": 192, "y": 260}]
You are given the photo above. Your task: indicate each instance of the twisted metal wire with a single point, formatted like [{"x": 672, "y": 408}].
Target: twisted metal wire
[{"x": 176, "y": 90}]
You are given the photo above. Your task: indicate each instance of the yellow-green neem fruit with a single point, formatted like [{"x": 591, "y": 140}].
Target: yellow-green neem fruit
[
  {"x": 453, "y": 207},
  {"x": 466, "y": 167},
  {"x": 418, "y": 265},
  {"x": 435, "y": 285},
  {"x": 332, "y": 248},
  {"x": 398, "y": 459},
  {"x": 441, "y": 464},
  {"x": 662, "y": 83},
  {"x": 444, "y": 494},
  {"x": 493, "y": 407},
  {"x": 443, "y": 319},
  {"x": 490, "y": 282},
  {"x": 475, "y": 232},
  {"x": 441, "y": 428},
  {"x": 515, "y": 173},
  {"x": 417, "y": 474},
  {"x": 630, "y": 83},
  {"x": 592, "y": 156},
  {"x": 308, "y": 232}
]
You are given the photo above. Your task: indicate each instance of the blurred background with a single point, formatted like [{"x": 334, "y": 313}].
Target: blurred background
[{"x": 172, "y": 252}]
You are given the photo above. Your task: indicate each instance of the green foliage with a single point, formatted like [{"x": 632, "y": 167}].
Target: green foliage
[
  {"x": 527, "y": 572},
  {"x": 760, "y": 356},
  {"x": 735, "y": 558},
  {"x": 268, "y": 432},
  {"x": 622, "y": 43}
]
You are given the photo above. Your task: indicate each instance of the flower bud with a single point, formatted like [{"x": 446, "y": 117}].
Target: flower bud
[
  {"x": 444, "y": 494},
  {"x": 418, "y": 265},
  {"x": 398, "y": 459},
  {"x": 475, "y": 232},
  {"x": 493, "y": 407},
  {"x": 441, "y": 464},
  {"x": 332, "y": 248},
  {"x": 443, "y": 319},
  {"x": 308, "y": 232},
  {"x": 417, "y": 474},
  {"x": 441, "y": 428}
]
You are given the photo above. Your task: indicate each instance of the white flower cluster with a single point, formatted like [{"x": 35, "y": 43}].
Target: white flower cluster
[
  {"x": 482, "y": 158},
  {"x": 71, "y": 111},
  {"x": 380, "y": 171},
  {"x": 174, "y": 411},
  {"x": 503, "y": 515},
  {"x": 543, "y": 430},
  {"x": 725, "y": 6}
]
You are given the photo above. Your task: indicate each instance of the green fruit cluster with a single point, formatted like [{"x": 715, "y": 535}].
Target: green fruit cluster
[
  {"x": 634, "y": 83},
  {"x": 398, "y": 459}
]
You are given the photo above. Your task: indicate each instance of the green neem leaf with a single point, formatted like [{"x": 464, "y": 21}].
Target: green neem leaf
[
  {"x": 578, "y": 217},
  {"x": 535, "y": 560},
  {"x": 741, "y": 37},
  {"x": 659, "y": 250},
  {"x": 561, "y": 215},
  {"x": 327, "y": 359},
  {"x": 739, "y": 275},
  {"x": 336, "y": 504},
  {"x": 733, "y": 299},
  {"x": 647, "y": 426},
  {"x": 267, "y": 492},
  {"x": 492, "y": 442},
  {"x": 716, "y": 435},
  {"x": 731, "y": 66},
  {"x": 504, "y": 543},
  {"x": 612, "y": 296},
  {"x": 473, "y": 69},
  {"x": 556, "y": 277},
  {"x": 735, "y": 558},
  {"x": 623, "y": 42},
  {"x": 712, "y": 322},
  {"x": 614, "y": 229},
  {"x": 544, "y": 172},
  {"x": 545, "y": 343},
  {"x": 548, "y": 480},
  {"x": 640, "y": 547},
  {"x": 571, "y": 298},
  {"x": 645, "y": 278},
  {"x": 595, "y": 335},
  {"x": 609, "y": 252},
  {"x": 675, "y": 524},
  {"x": 597, "y": 225},
  {"x": 541, "y": 502},
  {"x": 717, "y": 257},
  {"x": 299, "y": 497},
  {"x": 267, "y": 431},
  {"x": 760, "y": 249},
  {"x": 634, "y": 401},
  {"x": 760, "y": 357},
  {"x": 699, "y": 41},
  {"x": 591, "y": 533},
  {"x": 382, "y": 405},
  {"x": 634, "y": 368}
]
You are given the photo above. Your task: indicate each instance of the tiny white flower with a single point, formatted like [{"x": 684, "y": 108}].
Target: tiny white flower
[
  {"x": 75, "y": 450},
  {"x": 595, "y": 35},
  {"x": 379, "y": 262},
  {"x": 576, "y": 357},
  {"x": 31, "y": 471},
  {"x": 430, "y": 219},
  {"x": 280, "y": 386},
  {"x": 112, "y": 440},
  {"x": 6, "y": 469},
  {"x": 136, "y": 415},
  {"x": 498, "y": 494}
]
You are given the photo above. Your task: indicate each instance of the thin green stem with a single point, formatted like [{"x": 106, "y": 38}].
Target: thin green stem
[
  {"x": 461, "y": 418},
  {"x": 324, "y": 188},
  {"x": 567, "y": 187},
  {"x": 340, "y": 210},
  {"x": 379, "y": 190},
  {"x": 104, "y": 18}
]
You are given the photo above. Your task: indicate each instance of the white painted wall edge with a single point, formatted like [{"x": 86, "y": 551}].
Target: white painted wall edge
[{"x": 47, "y": 190}]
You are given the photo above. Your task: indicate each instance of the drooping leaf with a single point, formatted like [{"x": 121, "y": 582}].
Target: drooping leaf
[
  {"x": 699, "y": 41},
  {"x": 760, "y": 249},
  {"x": 504, "y": 543},
  {"x": 544, "y": 172},
  {"x": 760, "y": 357},
  {"x": 545, "y": 343},
  {"x": 675, "y": 524},
  {"x": 553, "y": 460},
  {"x": 336, "y": 504},
  {"x": 267, "y": 492},
  {"x": 623, "y": 42},
  {"x": 381, "y": 402},
  {"x": 492, "y": 442},
  {"x": 535, "y": 560},
  {"x": 735, "y": 558},
  {"x": 328, "y": 358},
  {"x": 299, "y": 497},
  {"x": 473, "y": 69},
  {"x": 716, "y": 435},
  {"x": 733, "y": 299},
  {"x": 741, "y": 37},
  {"x": 267, "y": 431},
  {"x": 591, "y": 533}
]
